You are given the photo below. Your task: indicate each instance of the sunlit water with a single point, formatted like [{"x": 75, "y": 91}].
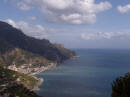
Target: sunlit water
[{"x": 89, "y": 75}]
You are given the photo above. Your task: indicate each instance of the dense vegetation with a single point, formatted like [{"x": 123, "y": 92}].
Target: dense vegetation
[{"x": 121, "y": 86}]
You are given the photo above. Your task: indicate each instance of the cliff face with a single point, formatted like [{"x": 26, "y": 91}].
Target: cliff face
[
  {"x": 44, "y": 48},
  {"x": 64, "y": 51}
]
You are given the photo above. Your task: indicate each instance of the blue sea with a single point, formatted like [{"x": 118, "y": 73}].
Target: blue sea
[{"x": 89, "y": 75}]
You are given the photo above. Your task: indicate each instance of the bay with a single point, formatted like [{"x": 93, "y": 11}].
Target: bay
[{"x": 89, "y": 75}]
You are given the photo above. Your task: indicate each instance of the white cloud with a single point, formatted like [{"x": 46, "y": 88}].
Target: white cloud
[
  {"x": 23, "y": 6},
  {"x": 104, "y": 35},
  {"x": 69, "y": 11},
  {"x": 124, "y": 9},
  {"x": 11, "y": 22},
  {"x": 58, "y": 4},
  {"x": 36, "y": 31}
]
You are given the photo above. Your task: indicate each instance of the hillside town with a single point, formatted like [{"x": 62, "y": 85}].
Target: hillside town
[{"x": 29, "y": 69}]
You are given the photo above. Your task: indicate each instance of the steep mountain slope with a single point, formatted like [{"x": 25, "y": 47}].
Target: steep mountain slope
[
  {"x": 42, "y": 47},
  {"x": 64, "y": 51},
  {"x": 11, "y": 55}
]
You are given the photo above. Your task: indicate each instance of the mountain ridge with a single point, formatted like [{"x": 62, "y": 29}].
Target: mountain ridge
[{"x": 43, "y": 47}]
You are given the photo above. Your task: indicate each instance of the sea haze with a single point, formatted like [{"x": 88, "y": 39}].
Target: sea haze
[{"x": 89, "y": 75}]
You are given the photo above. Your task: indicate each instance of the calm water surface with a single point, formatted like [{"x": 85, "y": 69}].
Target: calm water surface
[{"x": 89, "y": 75}]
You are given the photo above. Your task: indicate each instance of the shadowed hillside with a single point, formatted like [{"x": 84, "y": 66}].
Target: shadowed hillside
[
  {"x": 16, "y": 38},
  {"x": 10, "y": 55}
]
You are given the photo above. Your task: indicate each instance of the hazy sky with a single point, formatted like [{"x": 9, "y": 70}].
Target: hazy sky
[{"x": 74, "y": 23}]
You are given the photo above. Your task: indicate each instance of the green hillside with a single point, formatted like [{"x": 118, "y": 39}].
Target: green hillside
[{"x": 10, "y": 85}]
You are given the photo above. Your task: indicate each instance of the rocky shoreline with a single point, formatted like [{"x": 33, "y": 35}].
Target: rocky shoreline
[
  {"x": 32, "y": 71},
  {"x": 41, "y": 80}
]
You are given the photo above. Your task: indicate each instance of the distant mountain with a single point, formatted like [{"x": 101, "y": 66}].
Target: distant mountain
[{"x": 17, "y": 39}]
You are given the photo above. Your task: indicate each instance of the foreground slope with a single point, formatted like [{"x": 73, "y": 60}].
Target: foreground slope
[{"x": 11, "y": 87}]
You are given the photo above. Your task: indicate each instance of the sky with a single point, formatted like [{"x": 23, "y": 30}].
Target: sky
[{"x": 73, "y": 23}]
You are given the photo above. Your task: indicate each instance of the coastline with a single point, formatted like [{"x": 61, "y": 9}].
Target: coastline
[
  {"x": 42, "y": 69},
  {"x": 41, "y": 80},
  {"x": 33, "y": 71}
]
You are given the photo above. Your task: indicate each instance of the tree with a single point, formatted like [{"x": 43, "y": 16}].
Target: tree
[{"x": 121, "y": 86}]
